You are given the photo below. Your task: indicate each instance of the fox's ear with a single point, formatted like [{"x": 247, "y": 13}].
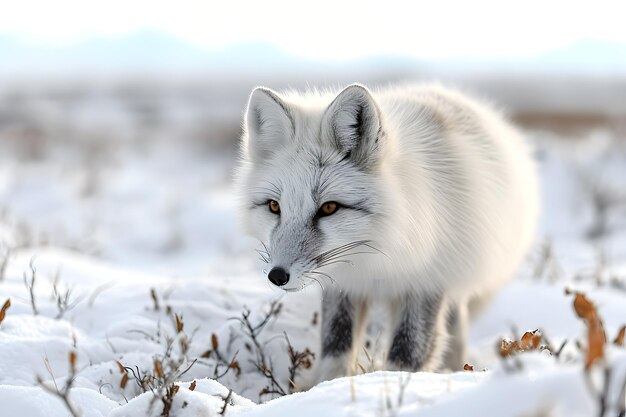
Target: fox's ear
[
  {"x": 354, "y": 124},
  {"x": 268, "y": 121}
]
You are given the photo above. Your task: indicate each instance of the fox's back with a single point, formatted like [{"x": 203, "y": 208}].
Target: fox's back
[{"x": 469, "y": 192}]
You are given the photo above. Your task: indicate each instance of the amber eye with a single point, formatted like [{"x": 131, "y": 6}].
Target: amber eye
[
  {"x": 274, "y": 206},
  {"x": 328, "y": 208}
]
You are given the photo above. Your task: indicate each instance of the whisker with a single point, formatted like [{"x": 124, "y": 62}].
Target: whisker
[
  {"x": 266, "y": 248},
  {"x": 316, "y": 280},
  {"x": 264, "y": 253},
  {"x": 332, "y": 261},
  {"x": 375, "y": 248},
  {"x": 343, "y": 255},
  {"x": 323, "y": 274},
  {"x": 345, "y": 261},
  {"x": 340, "y": 250}
]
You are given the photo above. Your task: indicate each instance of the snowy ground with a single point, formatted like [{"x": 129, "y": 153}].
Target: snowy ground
[{"x": 136, "y": 264}]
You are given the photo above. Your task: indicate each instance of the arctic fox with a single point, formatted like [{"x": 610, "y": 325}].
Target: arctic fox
[{"x": 414, "y": 196}]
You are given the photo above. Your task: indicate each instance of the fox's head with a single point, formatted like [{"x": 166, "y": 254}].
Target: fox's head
[{"x": 310, "y": 181}]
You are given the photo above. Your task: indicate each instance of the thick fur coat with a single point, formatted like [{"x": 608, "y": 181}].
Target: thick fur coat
[{"x": 435, "y": 206}]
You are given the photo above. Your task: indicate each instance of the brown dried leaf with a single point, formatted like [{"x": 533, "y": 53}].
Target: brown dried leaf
[
  {"x": 596, "y": 341},
  {"x": 315, "y": 319},
  {"x": 193, "y": 385},
  {"x": 184, "y": 343},
  {"x": 179, "y": 323},
  {"x": 72, "y": 359},
  {"x": 155, "y": 300},
  {"x": 619, "y": 339},
  {"x": 468, "y": 367},
  {"x": 596, "y": 338},
  {"x": 158, "y": 368},
  {"x": 4, "y": 309},
  {"x": 584, "y": 308},
  {"x": 235, "y": 365},
  {"x": 124, "y": 381},
  {"x": 509, "y": 347},
  {"x": 121, "y": 367},
  {"x": 530, "y": 340},
  {"x": 214, "y": 341}
]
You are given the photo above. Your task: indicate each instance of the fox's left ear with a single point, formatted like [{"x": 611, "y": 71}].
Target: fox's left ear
[
  {"x": 353, "y": 122},
  {"x": 269, "y": 123}
]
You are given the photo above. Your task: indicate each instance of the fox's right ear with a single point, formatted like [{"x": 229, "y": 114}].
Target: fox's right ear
[{"x": 268, "y": 121}]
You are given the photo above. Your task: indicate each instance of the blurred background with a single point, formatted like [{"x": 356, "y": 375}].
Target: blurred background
[{"x": 119, "y": 120}]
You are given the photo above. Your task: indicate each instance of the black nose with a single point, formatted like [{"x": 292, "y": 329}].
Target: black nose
[{"x": 278, "y": 276}]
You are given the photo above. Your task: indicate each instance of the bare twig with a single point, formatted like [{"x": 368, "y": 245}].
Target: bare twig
[
  {"x": 64, "y": 302},
  {"x": 30, "y": 285},
  {"x": 64, "y": 393},
  {"x": 298, "y": 360},
  {"x": 4, "y": 262},
  {"x": 252, "y": 331},
  {"x": 167, "y": 367},
  {"x": 226, "y": 402}
]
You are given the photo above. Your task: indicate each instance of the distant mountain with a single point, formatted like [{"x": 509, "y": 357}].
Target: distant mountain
[
  {"x": 588, "y": 54},
  {"x": 140, "y": 51},
  {"x": 151, "y": 51}
]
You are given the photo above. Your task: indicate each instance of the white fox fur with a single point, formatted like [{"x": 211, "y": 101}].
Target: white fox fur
[{"x": 440, "y": 188}]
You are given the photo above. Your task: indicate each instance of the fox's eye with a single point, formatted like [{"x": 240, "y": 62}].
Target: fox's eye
[
  {"x": 328, "y": 208},
  {"x": 274, "y": 206}
]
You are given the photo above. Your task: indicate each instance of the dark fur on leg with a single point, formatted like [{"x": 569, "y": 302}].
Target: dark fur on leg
[
  {"x": 337, "y": 323},
  {"x": 416, "y": 333}
]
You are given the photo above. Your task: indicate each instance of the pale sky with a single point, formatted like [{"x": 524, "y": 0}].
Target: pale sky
[{"x": 331, "y": 29}]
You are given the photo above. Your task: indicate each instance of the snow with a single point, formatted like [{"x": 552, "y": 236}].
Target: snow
[
  {"x": 113, "y": 223},
  {"x": 34, "y": 402}
]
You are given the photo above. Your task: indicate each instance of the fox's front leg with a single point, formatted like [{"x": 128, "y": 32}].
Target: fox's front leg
[
  {"x": 419, "y": 338},
  {"x": 343, "y": 318}
]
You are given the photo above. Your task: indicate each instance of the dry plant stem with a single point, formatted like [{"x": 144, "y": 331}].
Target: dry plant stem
[
  {"x": 4, "y": 263},
  {"x": 403, "y": 384},
  {"x": 261, "y": 363},
  {"x": 298, "y": 360},
  {"x": 64, "y": 393},
  {"x": 64, "y": 302},
  {"x": 254, "y": 330},
  {"x": 603, "y": 395},
  {"x": 226, "y": 402},
  {"x": 64, "y": 396},
  {"x": 622, "y": 400},
  {"x": 155, "y": 299},
  {"x": 276, "y": 388},
  {"x": 220, "y": 360},
  {"x": 30, "y": 285},
  {"x": 229, "y": 365},
  {"x": 160, "y": 381}
]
